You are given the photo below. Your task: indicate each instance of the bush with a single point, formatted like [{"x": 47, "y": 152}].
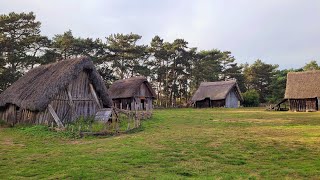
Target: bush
[
  {"x": 250, "y": 98},
  {"x": 3, "y": 123}
]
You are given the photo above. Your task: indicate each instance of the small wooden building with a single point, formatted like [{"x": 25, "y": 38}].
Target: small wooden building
[
  {"x": 65, "y": 90},
  {"x": 134, "y": 93},
  {"x": 217, "y": 94},
  {"x": 303, "y": 91}
]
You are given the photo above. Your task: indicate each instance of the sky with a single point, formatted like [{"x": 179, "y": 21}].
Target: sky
[{"x": 283, "y": 32}]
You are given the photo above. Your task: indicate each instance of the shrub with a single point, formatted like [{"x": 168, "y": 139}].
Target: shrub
[
  {"x": 250, "y": 98},
  {"x": 3, "y": 123}
]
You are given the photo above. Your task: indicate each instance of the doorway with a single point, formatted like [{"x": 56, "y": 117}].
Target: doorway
[{"x": 143, "y": 104}]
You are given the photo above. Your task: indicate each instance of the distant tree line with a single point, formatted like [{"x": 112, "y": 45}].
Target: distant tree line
[{"x": 174, "y": 68}]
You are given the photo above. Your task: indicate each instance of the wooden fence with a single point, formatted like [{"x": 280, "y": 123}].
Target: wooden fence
[{"x": 121, "y": 121}]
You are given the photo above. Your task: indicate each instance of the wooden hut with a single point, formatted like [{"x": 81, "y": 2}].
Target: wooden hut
[
  {"x": 217, "y": 94},
  {"x": 61, "y": 91},
  {"x": 303, "y": 91},
  {"x": 134, "y": 93}
]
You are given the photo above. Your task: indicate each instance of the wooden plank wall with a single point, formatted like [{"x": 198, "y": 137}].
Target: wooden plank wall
[
  {"x": 134, "y": 103},
  {"x": 303, "y": 105}
]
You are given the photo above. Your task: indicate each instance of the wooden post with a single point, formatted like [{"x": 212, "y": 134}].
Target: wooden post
[
  {"x": 71, "y": 104},
  {"x": 115, "y": 121},
  {"x": 129, "y": 119},
  {"x": 55, "y": 116},
  {"x": 93, "y": 92}
]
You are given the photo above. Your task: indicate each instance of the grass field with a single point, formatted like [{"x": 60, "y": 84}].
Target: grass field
[{"x": 175, "y": 143}]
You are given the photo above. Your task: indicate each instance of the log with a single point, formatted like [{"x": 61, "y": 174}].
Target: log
[
  {"x": 71, "y": 103},
  {"x": 55, "y": 116},
  {"x": 93, "y": 92}
]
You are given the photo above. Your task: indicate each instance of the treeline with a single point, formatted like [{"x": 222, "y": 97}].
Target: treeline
[{"x": 174, "y": 68}]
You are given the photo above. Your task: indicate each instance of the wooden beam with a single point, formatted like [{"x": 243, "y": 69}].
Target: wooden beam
[
  {"x": 93, "y": 92},
  {"x": 71, "y": 103},
  {"x": 55, "y": 116}
]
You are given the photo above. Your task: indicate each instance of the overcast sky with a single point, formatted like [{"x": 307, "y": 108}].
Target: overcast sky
[{"x": 284, "y": 32}]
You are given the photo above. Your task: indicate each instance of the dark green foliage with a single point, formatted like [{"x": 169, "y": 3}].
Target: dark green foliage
[
  {"x": 278, "y": 86},
  {"x": 20, "y": 43},
  {"x": 312, "y": 65},
  {"x": 107, "y": 74},
  {"x": 127, "y": 57},
  {"x": 258, "y": 76},
  {"x": 250, "y": 98}
]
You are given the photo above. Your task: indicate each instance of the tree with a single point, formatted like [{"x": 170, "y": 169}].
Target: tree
[
  {"x": 312, "y": 65},
  {"x": 235, "y": 72},
  {"x": 106, "y": 74},
  {"x": 126, "y": 56},
  {"x": 63, "y": 44},
  {"x": 158, "y": 58},
  {"x": 21, "y": 45},
  {"x": 171, "y": 65},
  {"x": 250, "y": 98},
  {"x": 207, "y": 66},
  {"x": 258, "y": 76},
  {"x": 278, "y": 86}
]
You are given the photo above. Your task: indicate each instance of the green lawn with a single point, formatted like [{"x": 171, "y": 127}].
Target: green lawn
[{"x": 175, "y": 143}]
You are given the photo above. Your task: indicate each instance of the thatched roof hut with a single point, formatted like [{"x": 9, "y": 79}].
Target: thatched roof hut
[
  {"x": 303, "y": 90},
  {"x": 61, "y": 85},
  {"x": 134, "y": 93},
  {"x": 218, "y": 94}
]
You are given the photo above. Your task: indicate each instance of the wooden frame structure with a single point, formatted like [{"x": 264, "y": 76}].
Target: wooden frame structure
[
  {"x": 60, "y": 93},
  {"x": 217, "y": 94},
  {"x": 303, "y": 91},
  {"x": 133, "y": 94}
]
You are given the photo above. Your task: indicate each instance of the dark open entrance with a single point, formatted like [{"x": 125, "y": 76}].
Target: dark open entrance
[{"x": 143, "y": 104}]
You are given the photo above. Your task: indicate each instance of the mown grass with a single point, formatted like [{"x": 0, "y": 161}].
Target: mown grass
[{"x": 245, "y": 143}]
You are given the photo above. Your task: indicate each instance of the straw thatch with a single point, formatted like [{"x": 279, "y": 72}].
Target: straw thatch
[
  {"x": 127, "y": 88},
  {"x": 216, "y": 90},
  {"x": 303, "y": 85},
  {"x": 36, "y": 88}
]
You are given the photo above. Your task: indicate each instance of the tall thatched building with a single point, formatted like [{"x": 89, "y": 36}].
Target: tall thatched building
[
  {"x": 59, "y": 91},
  {"x": 218, "y": 94},
  {"x": 303, "y": 90},
  {"x": 134, "y": 93}
]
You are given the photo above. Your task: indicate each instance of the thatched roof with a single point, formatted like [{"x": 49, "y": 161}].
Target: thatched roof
[
  {"x": 302, "y": 85},
  {"x": 129, "y": 87},
  {"x": 35, "y": 89},
  {"x": 216, "y": 90}
]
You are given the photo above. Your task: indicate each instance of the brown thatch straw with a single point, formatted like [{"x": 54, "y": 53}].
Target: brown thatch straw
[
  {"x": 216, "y": 90},
  {"x": 302, "y": 85},
  {"x": 128, "y": 87},
  {"x": 36, "y": 88}
]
